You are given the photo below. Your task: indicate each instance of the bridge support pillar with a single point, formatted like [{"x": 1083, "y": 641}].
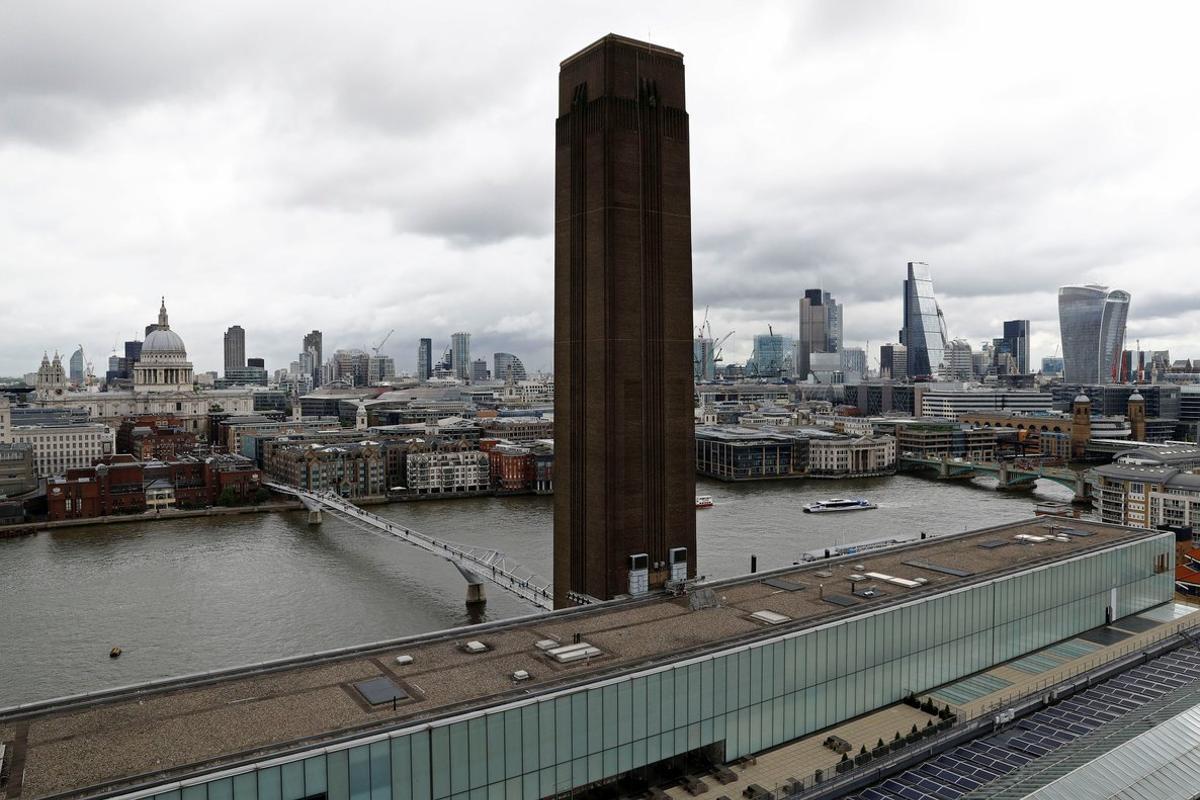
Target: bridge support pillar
[
  {"x": 1083, "y": 491},
  {"x": 475, "y": 594},
  {"x": 314, "y": 516}
]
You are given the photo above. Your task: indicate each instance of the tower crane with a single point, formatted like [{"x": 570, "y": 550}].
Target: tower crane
[{"x": 377, "y": 347}]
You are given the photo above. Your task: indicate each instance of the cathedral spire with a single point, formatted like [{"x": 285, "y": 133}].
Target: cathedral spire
[{"x": 162, "y": 314}]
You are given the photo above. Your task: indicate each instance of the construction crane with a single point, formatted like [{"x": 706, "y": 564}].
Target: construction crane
[
  {"x": 377, "y": 347},
  {"x": 716, "y": 345}
]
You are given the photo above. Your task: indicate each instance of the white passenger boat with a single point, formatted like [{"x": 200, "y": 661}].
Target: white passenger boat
[
  {"x": 704, "y": 501},
  {"x": 839, "y": 504}
]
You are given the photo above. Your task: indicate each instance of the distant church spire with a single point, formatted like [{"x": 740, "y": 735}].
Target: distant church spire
[{"x": 162, "y": 314}]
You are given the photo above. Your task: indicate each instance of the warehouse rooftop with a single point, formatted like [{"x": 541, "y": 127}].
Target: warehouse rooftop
[{"x": 140, "y": 736}]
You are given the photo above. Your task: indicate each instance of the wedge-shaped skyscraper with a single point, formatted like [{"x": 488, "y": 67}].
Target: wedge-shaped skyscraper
[
  {"x": 924, "y": 332},
  {"x": 1092, "y": 322}
]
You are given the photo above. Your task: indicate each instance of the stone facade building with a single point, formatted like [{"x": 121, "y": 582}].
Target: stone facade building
[
  {"x": 852, "y": 457},
  {"x": 449, "y": 470},
  {"x": 58, "y": 448},
  {"x": 162, "y": 384},
  {"x": 17, "y": 472}
]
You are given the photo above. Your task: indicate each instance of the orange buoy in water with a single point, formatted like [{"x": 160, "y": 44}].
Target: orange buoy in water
[{"x": 114, "y": 653}]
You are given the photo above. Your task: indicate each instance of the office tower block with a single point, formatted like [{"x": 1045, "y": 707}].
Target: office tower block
[
  {"x": 424, "y": 359},
  {"x": 624, "y": 494},
  {"x": 924, "y": 332},
  {"x": 507, "y": 367},
  {"x": 814, "y": 334},
  {"x": 1016, "y": 343},
  {"x": 235, "y": 348},
  {"x": 312, "y": 344},
  {"x": 460, "y": 347},
  {"x": 893, "y": 362},
  {"x": 1092, "y": 324}
]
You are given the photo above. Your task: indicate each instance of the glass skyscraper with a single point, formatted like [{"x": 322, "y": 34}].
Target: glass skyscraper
[
  {"x": 924, "y": 332},
  {"x": 771, "y": 356},
  {"x": 460, "y": 346},
  {"x": 1092, "y": 323},
  {"x": 1015, "y": 343}
]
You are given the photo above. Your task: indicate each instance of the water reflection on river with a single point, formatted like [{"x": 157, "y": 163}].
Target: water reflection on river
[{"x": 198, "y": 594}]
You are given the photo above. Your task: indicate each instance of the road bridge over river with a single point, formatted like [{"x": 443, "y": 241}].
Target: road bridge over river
[{"x": 1009, "y": 474}]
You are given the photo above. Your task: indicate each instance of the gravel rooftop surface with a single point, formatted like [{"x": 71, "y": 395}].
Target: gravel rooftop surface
[{"x": 141, "y": 738}]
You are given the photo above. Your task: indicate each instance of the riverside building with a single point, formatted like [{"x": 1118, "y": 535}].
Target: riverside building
[{"x": 502, "y": 710}]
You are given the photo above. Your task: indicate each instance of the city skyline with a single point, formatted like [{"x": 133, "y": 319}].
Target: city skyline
[{"x": 182, "y": 169}]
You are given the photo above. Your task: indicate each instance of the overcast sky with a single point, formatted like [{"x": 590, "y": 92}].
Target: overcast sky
[{"x": 362, "y": 166}]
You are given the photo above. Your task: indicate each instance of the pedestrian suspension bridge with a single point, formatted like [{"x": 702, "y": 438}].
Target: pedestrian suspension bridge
[
  {"x": 1009, "y": 475},
  {"x": 477, "y": 565}
]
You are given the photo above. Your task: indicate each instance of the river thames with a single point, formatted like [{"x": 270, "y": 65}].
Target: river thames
[{"x": 190, "y": 595}]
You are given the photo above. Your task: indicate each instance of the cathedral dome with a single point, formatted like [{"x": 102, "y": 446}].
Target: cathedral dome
[
  {"x": 162, "y": 365},
  {"x": 163, "y": 340}
]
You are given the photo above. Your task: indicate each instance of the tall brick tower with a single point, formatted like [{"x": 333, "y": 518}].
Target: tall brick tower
[
  {"x": 1136, "y": 414},
  {"x": 624, "y": 494},
  {"x": 1081, "y": 425}
]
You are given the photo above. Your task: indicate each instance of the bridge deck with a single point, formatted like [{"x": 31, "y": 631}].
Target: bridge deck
[
  {"x": 476, "y": 564},
  {"x": 79, "y": 748}
]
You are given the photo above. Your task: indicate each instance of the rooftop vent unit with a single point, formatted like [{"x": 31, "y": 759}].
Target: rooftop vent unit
[
  {"x": 546, "y": 644},
  {"x": 769, "y": 617},
  {"x": 404, "y": 661},
  {"x": 1029, "y": 538},
  {"x": 905, "y": 582},
  {"x": 475, "y": 646},
  {"x": 702, "y": 599},
  {"x": 570, "y": 653},
  {"x": 521, "y": 675},
  {"x": 854, "y": 577}
]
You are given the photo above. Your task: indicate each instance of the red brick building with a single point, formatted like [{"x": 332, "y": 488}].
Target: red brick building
[
  {"x": 158, "y": 436},
  {"x": 123, "y": 485},
  {"x": 112, "y": 486},
  {"x": 511, "y": 468}
]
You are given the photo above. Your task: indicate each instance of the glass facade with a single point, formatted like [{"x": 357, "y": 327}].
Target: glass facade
[
  {"x": 1092, "y": 324},
  {"x": 924, "y": 331},
  {"x": 771, "y": 356},
  {"x": 743, "y": 700}
]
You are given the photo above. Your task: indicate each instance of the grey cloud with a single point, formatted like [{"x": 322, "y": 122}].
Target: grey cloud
[{"x": 391, "y": 166}]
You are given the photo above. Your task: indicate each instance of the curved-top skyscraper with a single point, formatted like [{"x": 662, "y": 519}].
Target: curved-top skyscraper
[{"x": 1092, "y": 323}]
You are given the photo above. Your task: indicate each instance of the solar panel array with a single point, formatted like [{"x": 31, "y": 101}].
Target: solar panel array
[{"x": 971, "y": 766}]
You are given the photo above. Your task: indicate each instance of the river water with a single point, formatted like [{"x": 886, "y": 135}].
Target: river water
[{"x": 189, "y": 595}]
